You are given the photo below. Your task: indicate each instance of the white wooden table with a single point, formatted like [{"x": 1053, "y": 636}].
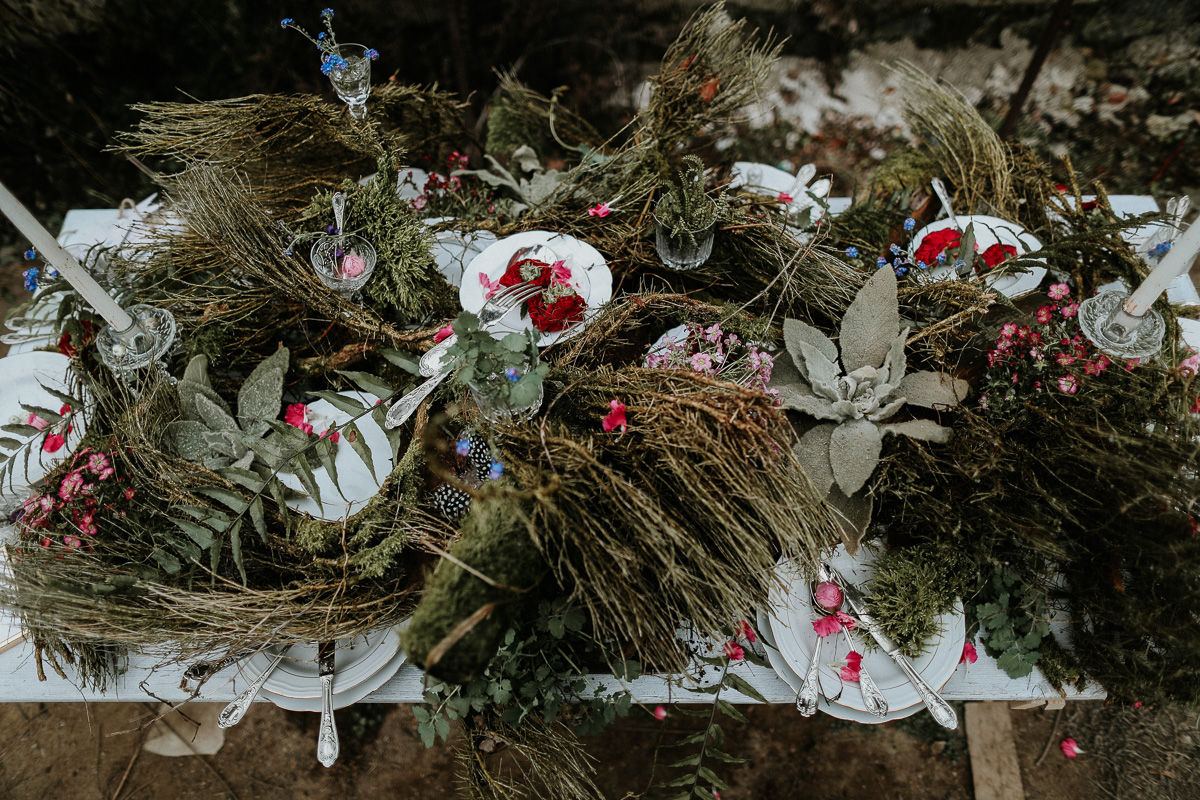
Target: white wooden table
[{"x": 982, "y": 680}]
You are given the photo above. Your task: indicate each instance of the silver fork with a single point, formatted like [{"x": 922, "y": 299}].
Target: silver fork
[
  {"x": 399, "y": 413},
  {"x": 494, "y": 310}
]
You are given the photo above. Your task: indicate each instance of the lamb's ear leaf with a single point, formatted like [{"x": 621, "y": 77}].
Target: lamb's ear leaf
[
  {"x": 930, "y": 389},
  {"x": 795, "y": 331},
  {"x": 924, "y": 429},
  {"x": 812, "y": 452},
  {"x": 871, "y": 323},
  {"x": 854, "y": 449}
]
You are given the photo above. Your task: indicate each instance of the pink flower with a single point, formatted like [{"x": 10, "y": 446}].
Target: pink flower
[
  {"x": 1070, "y": 748},
  {"x": 784, "y": 197},
  {"x": 54, "y": 442},
  {"x": 660, "y": 713},
  {"x": 419, "y": 203},
  {"x": 1070, "y": 310},
  {"x": 297, "y": 416},
  {"x": 560, "y": 272},
  {"x": 45, "y": 541},
  {"x": 1059, "y": 291},
  {"x": 825, "y": 626},
  {"x": 129, "y": 493},
  {"x": 969, "y": 655},
  {"x": 352, "y": 266},
  {"x": 443, "y": 333},
  {"x": 1131, "y": 363},
  {"x": 36, "y": 421},
  {"x": 615, "y": 418},
  {"x": 1137, "y": 704},
  {"x": 599, "y": 210},
  {"x": 713, "y": 334},
  {"x": 701, "y": 362},
  {"x": 734, "y": 651},
  {"x": 97, "y": 463},
  {"x": 490, "y": 287},
  {"x": 1068, "y": 384},
  {"x": 1064, "y": 359},
  {"x": 850, "y": 667},
  {"x": 1045, "y": 314},
  {"x": 72, "y": 541},
  {"x": 745, "y": 631},
  {"x": 335, "y": 437},
  {"x": 848, "y": 621},
  {"x": 1190, "y": 365},
  {"x": 828, "y": 594}
]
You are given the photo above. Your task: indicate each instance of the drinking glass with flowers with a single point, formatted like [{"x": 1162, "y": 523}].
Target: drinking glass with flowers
[{"x": 503, "y": 375}]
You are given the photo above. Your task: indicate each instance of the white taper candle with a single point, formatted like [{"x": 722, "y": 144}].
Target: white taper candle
[
  {"x": 1177, "y": 261},
  {"x": 49, "y": 249}
]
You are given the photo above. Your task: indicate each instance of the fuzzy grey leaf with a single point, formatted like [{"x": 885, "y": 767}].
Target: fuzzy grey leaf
[
  {"x": 854, "y": 451},
  {"x": 895, "y": 365},
  {"x": 844, "y": 409},
  {"x": 813, "y": 454},
  {"x": 197, "y": 371},
  {"x": 223, "y": 444},
  {"x": 853, "y": 516},
  {"x": 809, "y": 404},
  {"x": 887, "y": 411},
  {"x": 924, "y": 429},
  {"x": 187, "y": 439},
  {"x": 526, "y": 159},
  {"x": 262, "y": 393},
  {"x": 871, "y": 323},
  {"x": 813, "y": 364},
  {"x": 189, "y": 391},
  {"x": 827, "y": 390},
  {"x": 795, "y": 331},
  {"x": 784, "y": 371},
  {"x": 929, "y": 389},
  {"x": 214, "y": 416}
]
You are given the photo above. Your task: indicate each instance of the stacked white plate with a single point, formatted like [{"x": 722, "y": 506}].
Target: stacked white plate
[
  {"x": 790, "y": 639},
  {"x": 361, "y": 665}
]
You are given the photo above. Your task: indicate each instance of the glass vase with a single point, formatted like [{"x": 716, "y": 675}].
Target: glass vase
[
  {"x": 351, "y": 78},
  {"x": 491, "y": 397},
  {"x": 332, "y": 255},
  {"x": 686, "y": 251}
]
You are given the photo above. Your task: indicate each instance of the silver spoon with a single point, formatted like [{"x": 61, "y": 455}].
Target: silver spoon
[
  {"x": 939, "y": 189},
  {"x": 232, "y": 714},
  {"x": 339, "y": 211},
  {"x": 806, "y": 698},
  {"x": 873, "y": 699}
]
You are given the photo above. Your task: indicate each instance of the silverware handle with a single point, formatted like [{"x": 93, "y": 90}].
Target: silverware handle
[
  {"x": 327, "y": 738},
  {"x": 941, "y": 711},
  {"x": 339, "y": 210},
  {"x": 939, "y": 188},
  {"x": 232, "y": 714},
  {"x": 872, "y": 697},
  {"x": 806, "y": 699},
  {"x": 403, "y": 408},
  {"x": 431, "y": 362}
]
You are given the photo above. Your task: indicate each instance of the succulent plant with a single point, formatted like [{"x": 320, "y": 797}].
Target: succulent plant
[
  {"x": 209, "y": 434},
  {"x": 685, "y": 209},
  {"x": 853, "y": 395}
]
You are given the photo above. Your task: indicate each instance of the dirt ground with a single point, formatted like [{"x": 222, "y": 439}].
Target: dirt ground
[{"x": 73, "y": 750}]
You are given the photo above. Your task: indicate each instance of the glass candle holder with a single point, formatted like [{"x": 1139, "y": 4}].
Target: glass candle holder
[
  {"x": 491, "y": 398},
  {"x": 685, "y": 252},
  {"x": 351, "y": 77},
  {"x": 343, "y": 263}
]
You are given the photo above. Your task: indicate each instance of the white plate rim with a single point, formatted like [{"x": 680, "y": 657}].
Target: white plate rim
[
  {"x": 578, "y": 254},
  {"x": 348, "y": 697},
  {"x": 379, "y": 647}
]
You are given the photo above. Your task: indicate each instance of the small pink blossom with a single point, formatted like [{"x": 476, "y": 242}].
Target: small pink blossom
[
  {"x": 615, "y": 418},
  {"x": 1009, "y": 330},
  {"x": 660, "y": 713},
  {"x": 45, "y": 541},
  {"x": 443, "y": 334},
  {"x": 72, "y": 541},
  {"x": 352, "y": 266},
  {"x": 1131, "y": 363},
  {"x": 53, "y": 443},
  {"x": 1070, "y": 310},
  {"x": 1190, "y": 365},
  {"x": 129, "y": 493},
  {"x": 1137, "y": 704},
  {"x": 1045, "y": 314},
  {"x": 850, "y": 667},
  {"x": 1070, "y": 747},
  {"x": 828, "y": 595},
  {"x": 826, "y": 626},
  {"x": 1058, "y": 291},
  {"x": 419, "y": 202},
  {"x": 36, "y": 421},
  {"x": 745, "y": 631},
  {"x": 1068, "y": 384},
  {"x": 297, "y": 416},
  {"x": 784, "y": 197},
  {"x": 560, "y": 272},
  {"x": 701, "y": 362},
  {"x": 490, "y": 287},
  {"x": 97, "y": 463},
  {"x": 968, "y": 655},
  {"x": 734, "y": 651},
  {"x": 335, "y": 437},
  {"x": 600, "y": 210}
]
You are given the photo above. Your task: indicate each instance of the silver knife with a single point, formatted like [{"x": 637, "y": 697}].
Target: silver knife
[
  {"x": 327, "y": 738},
  {"x": 938, "y": 708}
]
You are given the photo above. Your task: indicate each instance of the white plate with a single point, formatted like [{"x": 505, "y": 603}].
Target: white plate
[
  {"x": 357, "y": 485},
  {"x": 454, "y": 249},
  {"x": 412, "y": 188},
  {"x": 832, "y": 709},
  {"x": 23, "y": 376},
  {"x": 795, "y": 637},
  {"x": 362, "y": 666},
  {"x": 494, "y": 261},
  {"x": 989, "y": 231},
  {"x": 775, "y": 181}
]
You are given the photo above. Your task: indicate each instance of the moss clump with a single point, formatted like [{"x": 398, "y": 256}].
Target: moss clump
[
  {"x": 903, "y": 170},
  {"x": 508, "y": 128},
  {"x": 496, "y": 541},
  {"x": 912, "y": 587}
]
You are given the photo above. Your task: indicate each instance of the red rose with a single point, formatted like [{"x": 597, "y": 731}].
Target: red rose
[
  {"x": 562, "y": 313},
  {"x": 65, "y": 347},
  {"x": 512, "y": 276},
  {"x": 935, "y": 243},
  {"x": 998, "y": 254}
]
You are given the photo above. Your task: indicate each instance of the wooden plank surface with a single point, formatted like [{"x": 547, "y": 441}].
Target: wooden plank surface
[{"x": 994, "y": 766}]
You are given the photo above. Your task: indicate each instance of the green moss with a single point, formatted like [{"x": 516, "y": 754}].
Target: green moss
[
  {"x": 903, "y": 170},
  {"x": 495, "y": 541},
  {"x": 913, "y": 586},
  {"x": 508, "y": 129}
]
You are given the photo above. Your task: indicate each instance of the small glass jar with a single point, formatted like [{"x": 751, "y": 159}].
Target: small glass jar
[
  {"x": 687, "y": 251},
  {"x": 491, "y": 397},
  {"x": 343, "y": 263}
]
